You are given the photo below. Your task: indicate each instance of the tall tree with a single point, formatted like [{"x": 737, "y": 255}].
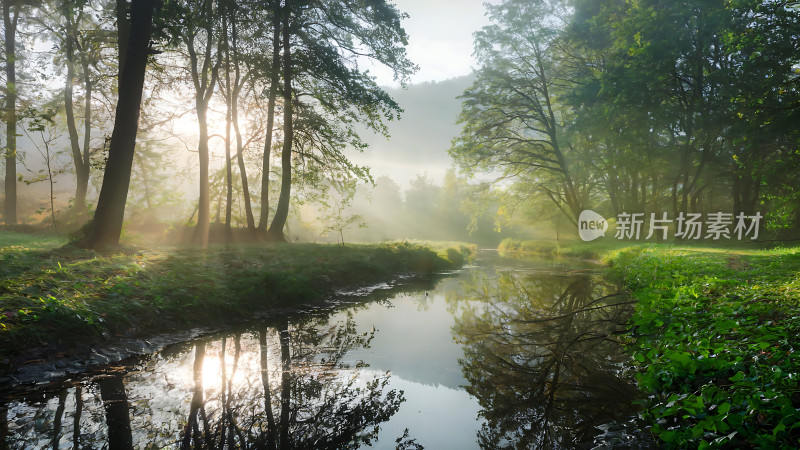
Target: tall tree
[
  {"x": 232, "y": 91},
  {"x": 320, "y": 40},
  {"x": 238, "y": 84},
  {"x": 77, "y": 50},
  {"x": 106, "y": 226},
  {"x": 512, "y": 119},
  {"x": 274, "y": 79},
  {"x": 11, "y": 10},
  {"x": 193, "y": 26},
  {"x": 282, "y": 210}
]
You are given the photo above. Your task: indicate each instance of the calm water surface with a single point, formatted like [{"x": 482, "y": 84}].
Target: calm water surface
[{"x": 508, "y": 353}]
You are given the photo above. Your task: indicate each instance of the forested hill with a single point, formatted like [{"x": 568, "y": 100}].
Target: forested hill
[{"x": 420, "y": 139}]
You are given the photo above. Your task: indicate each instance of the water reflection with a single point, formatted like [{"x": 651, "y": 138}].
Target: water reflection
[
  {"x": 282, "y": 386},
  {"x": 518, "y": 354},
  {"x": 540, "y": 357}
]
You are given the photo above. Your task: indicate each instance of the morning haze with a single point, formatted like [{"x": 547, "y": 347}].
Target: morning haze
[{"x": 404, "y": 224}]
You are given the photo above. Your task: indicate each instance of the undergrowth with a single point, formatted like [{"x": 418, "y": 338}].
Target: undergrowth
[{"x": 713, "y": 338}]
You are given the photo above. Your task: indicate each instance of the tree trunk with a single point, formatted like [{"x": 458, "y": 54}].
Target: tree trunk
[
  {"x": 76, "y": 418},
  {"x": 145, "y": 180},
  {"x": 228, "y": 120},
  {"x": 273, "y": 94},
  {"x": 123, "y": 34},
  {"x": 248, "y": 209},
  {"x": 115, "y": 401},
  {"x": 81, "y": 169},
  {"x": 192, "y": 429},
  {"x": 204, "y": 88},
  {"x": 10, "y": 23},
  {"x": 237, "y": 85},
  {"x": 282, "y": 211},
  {"x": 262, "y": 341},
  {"x": 107, "y": 224},
  {"x": 3, "y": 427},
  {"x": 203, "y": 214},
  {"x": 62, "y": 405},
  {"x": 83, "y": 174},
  {"x": 286, "y": 386}
]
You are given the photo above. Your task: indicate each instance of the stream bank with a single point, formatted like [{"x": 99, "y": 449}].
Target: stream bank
[{"x": 54, "y": 299}]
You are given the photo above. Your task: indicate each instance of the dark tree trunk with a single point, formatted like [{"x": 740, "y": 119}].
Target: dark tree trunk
[
  {"x": 123, "y": 34},
  {"x": 10, "y": 23},
  {"x": 3, "y": 426},
  {"x": 115, "y": 401},
  {"x": 76, "y": 418},
  {"x": 62, "y": 405},
  {"x": 282, "y": 211},
  {"x": 107, "y": 224},
  {"x": 273, "y": 94}
]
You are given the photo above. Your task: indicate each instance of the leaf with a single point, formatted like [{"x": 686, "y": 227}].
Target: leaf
[{"x": 668, "y": 435}]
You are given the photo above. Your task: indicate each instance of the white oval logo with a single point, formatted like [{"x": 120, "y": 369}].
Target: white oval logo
[{"x": 591, "y": 225}]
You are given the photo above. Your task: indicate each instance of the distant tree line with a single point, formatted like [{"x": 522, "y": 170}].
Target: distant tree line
[
  {"x": 287, "y": 73},
  {"x": 639, "y": 106},
  {"x": 453, "y": 210}
]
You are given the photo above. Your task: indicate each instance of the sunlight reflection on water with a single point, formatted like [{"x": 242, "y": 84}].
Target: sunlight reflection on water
[{"x": 505, "y": 352}]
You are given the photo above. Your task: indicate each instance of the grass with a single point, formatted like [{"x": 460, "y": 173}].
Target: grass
[
  {"x": 714, "y": 340},
  {"x": 55, "y": 297},
  {"x": 564, "y": 248},
  {"x": 23, "y": 241}
]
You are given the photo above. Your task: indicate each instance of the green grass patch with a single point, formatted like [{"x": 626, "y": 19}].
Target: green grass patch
[
  {"x": 10, "y": 241},
  {"x": 714, "y": 340},
  {"x": 56, "y": 297},
  {"x": 564, "y": 248}
]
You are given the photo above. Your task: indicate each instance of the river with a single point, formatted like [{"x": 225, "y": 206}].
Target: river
[{"x": 505, "y": 353}]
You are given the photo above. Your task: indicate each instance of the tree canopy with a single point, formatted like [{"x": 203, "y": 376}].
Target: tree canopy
[{"x": 643, "y": 106}]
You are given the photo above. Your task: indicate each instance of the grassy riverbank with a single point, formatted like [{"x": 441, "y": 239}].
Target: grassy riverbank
[
  {"x": 54, "y": 297},
  {"x": 564, "y": 248},
  {"x": 715, "y": 337}
]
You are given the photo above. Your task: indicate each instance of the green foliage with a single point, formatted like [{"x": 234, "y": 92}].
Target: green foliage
[
  {"x": 645, "y": 106},
  {"x": 714, "y": 338},
  {"x": 512, "y": 124}
]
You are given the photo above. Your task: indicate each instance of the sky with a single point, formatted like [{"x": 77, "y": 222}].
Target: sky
[
  {"x": 440, "y": 43},
  {"x": 440, "y": 38}
]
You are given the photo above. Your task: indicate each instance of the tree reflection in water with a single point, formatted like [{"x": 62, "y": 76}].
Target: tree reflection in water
[
  {"x": 309, "y": 398},
  {"x": 282, "y": 386},
  {"x": 541, "y": 358}
]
